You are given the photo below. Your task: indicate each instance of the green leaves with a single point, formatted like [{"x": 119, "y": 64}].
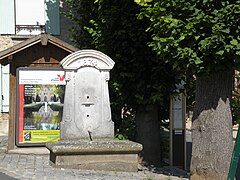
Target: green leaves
[
  {"x": 234, "y": 42},
  {"x": 220, "y": 52},
  {"x": 227, "y": 31},
  {"x": 195, "y": 33},
  {"x": 170, "y": 38},
  {"x": 143, "y": 2}
]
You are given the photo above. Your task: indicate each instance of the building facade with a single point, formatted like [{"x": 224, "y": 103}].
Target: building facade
[{"x": 23, "y": 19}]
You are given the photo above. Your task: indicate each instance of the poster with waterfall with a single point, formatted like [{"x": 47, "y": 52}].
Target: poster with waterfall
[{"x": 40, "y": 105}]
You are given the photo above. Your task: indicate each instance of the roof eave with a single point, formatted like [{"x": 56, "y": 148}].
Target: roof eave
[{"x": 34, "y": 40}]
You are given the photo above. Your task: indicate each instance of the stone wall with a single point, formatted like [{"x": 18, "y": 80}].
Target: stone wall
[
  {"x": 4, "y": 116},
  {"x": 5, "y": 42}
]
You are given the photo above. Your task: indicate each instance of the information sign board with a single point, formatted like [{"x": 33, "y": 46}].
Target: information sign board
[
  {"x": 40, "y": 96},
  {"x": 178, "y": 131}
]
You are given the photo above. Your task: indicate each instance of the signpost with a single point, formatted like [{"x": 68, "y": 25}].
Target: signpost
[
  {"x": 235, "y": 158},
  {"x": 177, "y": 131},
  {"x": 40, "y": 95}
]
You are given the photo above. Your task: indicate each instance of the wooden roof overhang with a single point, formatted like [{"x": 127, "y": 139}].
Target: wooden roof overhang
[{"x": 41, "y": 40}]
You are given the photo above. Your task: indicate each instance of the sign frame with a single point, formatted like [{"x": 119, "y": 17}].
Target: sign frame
[
  {"x": 178, "y": 131},
  {"x": 27, "y": 79}
]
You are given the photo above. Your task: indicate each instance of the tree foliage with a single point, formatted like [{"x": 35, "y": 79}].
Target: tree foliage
[
  {"x": 200, "y": 36},
  {"x": 111, "y": 26},
  {"x": 139, "y": 78}
]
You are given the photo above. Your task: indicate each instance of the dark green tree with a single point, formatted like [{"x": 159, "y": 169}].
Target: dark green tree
[
  {"x": 201, "y": 38},
  {"x": 140, "y": 83}
]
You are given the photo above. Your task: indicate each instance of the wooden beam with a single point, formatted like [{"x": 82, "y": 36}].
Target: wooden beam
[
  {"x": 10, "y": 57},
  {"x": 12, "y": 108},
  {"x": 44, "y": 39}
]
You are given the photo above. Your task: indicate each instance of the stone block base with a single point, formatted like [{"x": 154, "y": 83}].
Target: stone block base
[{"x": 107, "y": 155}]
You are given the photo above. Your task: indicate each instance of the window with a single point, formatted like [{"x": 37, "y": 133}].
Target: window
[{"x": 29, "y": 17}]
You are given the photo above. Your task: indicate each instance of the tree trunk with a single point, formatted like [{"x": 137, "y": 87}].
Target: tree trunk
[
  {"x": 212, "y": 140},
  {"x": 148, "y": 134}
]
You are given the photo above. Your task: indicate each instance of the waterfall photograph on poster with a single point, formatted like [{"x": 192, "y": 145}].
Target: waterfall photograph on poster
[{"x": 40, "y": 105}]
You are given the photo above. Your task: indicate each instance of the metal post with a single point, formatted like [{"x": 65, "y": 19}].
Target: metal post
[
  {"x": 178, "y": 131},
  {"x": 235, "y": 158}
]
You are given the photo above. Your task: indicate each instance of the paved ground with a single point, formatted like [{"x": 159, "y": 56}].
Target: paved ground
[
  {"x": 6, "y": 177},
  {"x": 32, "y": 166}
]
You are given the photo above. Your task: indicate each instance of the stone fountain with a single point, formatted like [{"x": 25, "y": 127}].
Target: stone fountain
[{"x": 87, "y": 130}]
